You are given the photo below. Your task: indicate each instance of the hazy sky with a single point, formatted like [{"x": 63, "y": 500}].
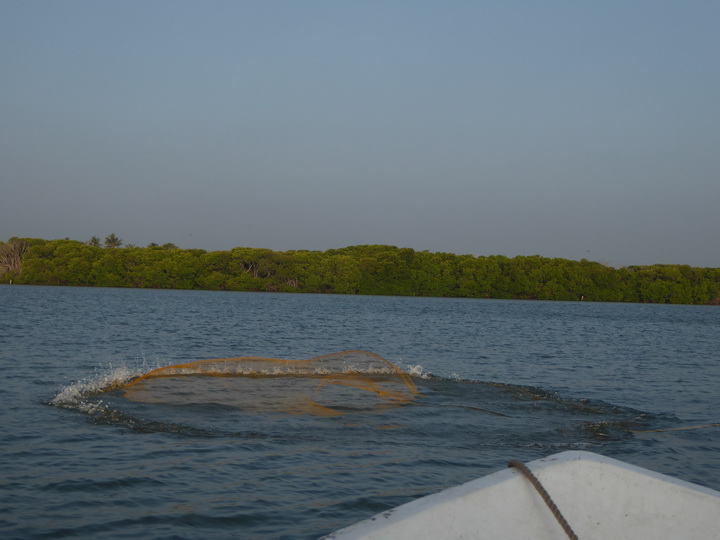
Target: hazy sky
[{"x": 561, "y": 128}]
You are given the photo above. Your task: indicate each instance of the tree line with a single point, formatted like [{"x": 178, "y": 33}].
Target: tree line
[{"x": 365, "y": 269}]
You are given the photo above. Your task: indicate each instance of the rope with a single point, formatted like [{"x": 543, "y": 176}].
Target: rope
[
  {"x": 545, "y": 497},
  {"x": 675, "y": 429}
]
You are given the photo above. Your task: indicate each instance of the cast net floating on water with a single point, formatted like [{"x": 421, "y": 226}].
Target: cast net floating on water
[{"x": 329, "y": 385}]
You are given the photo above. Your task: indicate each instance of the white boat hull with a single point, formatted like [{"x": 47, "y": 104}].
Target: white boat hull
[{"x": 600, "y": 497}]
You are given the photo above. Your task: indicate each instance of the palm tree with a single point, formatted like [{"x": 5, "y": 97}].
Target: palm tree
[
  {"x": 113, "y": 241},
  {"x": 94, "y": 242}
]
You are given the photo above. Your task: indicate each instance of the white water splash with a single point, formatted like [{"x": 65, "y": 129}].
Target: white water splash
[
  {"x": 416, "y": 371},
  {"x": 75, "y": 395}
]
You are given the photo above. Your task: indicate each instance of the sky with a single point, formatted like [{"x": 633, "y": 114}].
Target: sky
[{"x": 558, "y": 128}]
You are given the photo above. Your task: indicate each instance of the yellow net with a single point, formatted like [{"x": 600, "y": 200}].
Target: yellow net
[{"x": 327, "y": 385}]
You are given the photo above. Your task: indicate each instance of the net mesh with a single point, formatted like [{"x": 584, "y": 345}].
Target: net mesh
[{"x": 328, "y": 385}]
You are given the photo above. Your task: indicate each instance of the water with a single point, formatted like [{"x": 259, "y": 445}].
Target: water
[{"x": 497, "y": 380}]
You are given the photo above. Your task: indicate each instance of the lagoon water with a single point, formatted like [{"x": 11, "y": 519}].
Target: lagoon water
[{"x": 496, "y": 380}]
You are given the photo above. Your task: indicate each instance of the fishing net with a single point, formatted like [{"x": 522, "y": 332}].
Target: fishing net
[{"x": 326, "y": 385}]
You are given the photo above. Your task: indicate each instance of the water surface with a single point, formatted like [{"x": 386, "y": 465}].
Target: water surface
[{"x": 496, "y": 380}]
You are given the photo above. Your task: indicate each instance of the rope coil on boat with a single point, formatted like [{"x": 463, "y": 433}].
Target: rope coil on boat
[{"x": 545, "y": 497}]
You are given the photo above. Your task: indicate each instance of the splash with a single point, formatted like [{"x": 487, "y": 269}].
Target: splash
[
  {"x": 82, "y": 394},
  {"x": 327, "y": 385}
]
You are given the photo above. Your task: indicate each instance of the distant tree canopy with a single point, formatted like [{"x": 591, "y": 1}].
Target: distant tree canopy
[{"x": 367, "y": 269}]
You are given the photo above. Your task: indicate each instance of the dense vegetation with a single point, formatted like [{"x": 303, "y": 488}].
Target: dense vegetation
[{"x": 369, "y": 269}]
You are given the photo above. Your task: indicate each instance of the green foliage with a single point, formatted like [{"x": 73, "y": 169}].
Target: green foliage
[{"x": 368, "y": 269}]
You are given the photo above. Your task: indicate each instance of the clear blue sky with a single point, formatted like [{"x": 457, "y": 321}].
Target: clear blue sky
[{"x": 560, "y": 128}]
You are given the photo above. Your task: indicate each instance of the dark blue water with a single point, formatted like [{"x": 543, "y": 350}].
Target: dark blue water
[{"x": 497, "y": 380}]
